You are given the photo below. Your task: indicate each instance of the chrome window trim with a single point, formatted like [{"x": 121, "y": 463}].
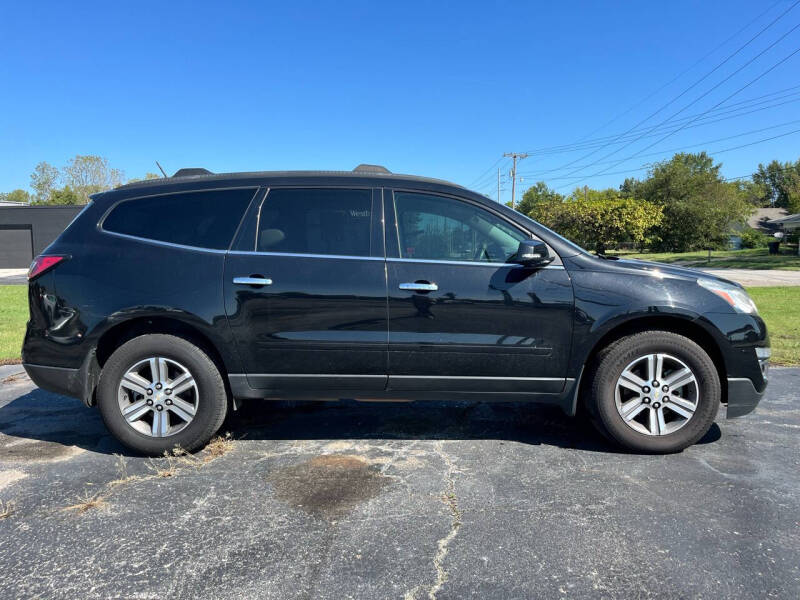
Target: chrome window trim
[
  {"x": 301, "y": 255},
  {"x": 167, "y": 244},
  {"x": 467, "y": 263},
  {"x": 401, "y": 260}
]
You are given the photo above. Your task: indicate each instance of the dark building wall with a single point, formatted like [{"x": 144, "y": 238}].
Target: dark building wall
[{"x": 27, "y": 230}]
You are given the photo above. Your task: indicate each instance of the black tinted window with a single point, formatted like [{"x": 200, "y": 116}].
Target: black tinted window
[
  {"x": 438, "y": 228},
  {"x": 316, "y": 221},
  {"x": 203, "y": 219}
]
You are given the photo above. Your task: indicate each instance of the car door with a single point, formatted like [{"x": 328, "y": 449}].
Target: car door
[
  {"x": 460, "y": 316},
  {"x": 307, "y": 300}
]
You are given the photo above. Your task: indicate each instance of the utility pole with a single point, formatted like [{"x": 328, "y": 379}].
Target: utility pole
[
  {"x": 498, "y": 185},
  {"x": 515, "y": 156}
]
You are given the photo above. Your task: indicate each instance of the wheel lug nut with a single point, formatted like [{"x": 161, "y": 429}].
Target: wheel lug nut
[
  {"x": 149, "y": 403},
  {"x": 168, "y": 391},
  {"x": 169, "y": 402},
  {"x": 646, "y": 400},
  {"x": 149, "y": 392},
  {"x": 655, "y": 405},
  {"x": 645, "y": 389},
  {"x": 665, "y": 399},
  {"x": 655, "y": 384},
  {"x": 158, "y": 386},
  {"x": 665, "y": 388},
  {"x": 159, "y": 407}
]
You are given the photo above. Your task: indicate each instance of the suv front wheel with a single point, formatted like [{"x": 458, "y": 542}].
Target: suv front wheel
[
  {"x": 160, "y": 391},
  {"x": 654, "y": 391}
]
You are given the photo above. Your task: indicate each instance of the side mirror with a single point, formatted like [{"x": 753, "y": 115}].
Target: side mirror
[{"x": 532, "y": 253}]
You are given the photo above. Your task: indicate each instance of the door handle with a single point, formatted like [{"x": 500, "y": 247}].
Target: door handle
[
  {"x": 257, "y": 280},
  {"x": 419, "y": 287}
]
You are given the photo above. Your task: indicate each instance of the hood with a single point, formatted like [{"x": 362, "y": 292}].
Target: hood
[{"x": 667, "y": 270}]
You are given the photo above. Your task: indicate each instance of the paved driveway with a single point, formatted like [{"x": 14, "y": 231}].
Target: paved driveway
[
  {"x": 423, "y": 500},
  {"x": 758, "y": 277},
  {"x": 13, "y": 276}
]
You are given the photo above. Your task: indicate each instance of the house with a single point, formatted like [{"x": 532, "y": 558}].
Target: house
[
  {"x": 27, "y": 230},
  {"x": 763, "y": 219}
]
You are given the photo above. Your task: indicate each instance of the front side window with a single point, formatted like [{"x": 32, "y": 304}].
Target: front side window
[
  {"x": 316, "y": 221},
  {"x": 205, "y": 219},
  {"x": 438, "y": 228}
]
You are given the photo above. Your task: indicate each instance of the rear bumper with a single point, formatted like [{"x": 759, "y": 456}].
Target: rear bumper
[
  {"x": 742, "y": 397},
  {"x": 78, "y": 383},
  {"x": 60, "y": 380}
]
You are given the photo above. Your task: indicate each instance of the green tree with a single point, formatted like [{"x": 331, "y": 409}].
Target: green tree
[
  {"x": 16, "y": 196},
  {"x": 535, "y": 194},
  {"x": 599, "y": 219},
  {"x": 63, "y": 196},
  {"x": 700, "y": 209},
  {"x": 779, "y": 184},
  {"x": 89, "y": 174},
  {"x": 44, "y": 180}
]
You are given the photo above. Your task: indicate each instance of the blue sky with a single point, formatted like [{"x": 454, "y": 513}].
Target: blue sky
[{"x": 439, "y": 89}]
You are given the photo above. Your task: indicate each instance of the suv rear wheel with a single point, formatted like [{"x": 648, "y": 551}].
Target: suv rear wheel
[
  {"x": 159, "y": 391},
  {"x": 654, "y": 391}
]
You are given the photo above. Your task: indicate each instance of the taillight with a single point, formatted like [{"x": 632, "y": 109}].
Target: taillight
[{"x": 42, "y": 264}]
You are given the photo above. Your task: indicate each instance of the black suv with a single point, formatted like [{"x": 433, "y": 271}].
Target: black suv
[{"x": 167, "y": 302}]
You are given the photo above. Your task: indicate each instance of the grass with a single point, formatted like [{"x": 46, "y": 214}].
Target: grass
[
  {"x": 6, "y": 509},
  {"x": 753, "y": 258},
  {"x": 13, "y": 316},
  {"x": 87, "y": 502},
  {"x": 780, "y": 309}
]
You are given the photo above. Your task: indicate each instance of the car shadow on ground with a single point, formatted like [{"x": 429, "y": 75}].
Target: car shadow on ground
[{"x": 56, "y": 420}]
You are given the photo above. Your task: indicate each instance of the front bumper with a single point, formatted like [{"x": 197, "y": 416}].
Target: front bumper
[{"x": 742, "y": 397}]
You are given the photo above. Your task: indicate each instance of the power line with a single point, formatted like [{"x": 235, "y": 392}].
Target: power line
[
  {"x": 488, "y": 175},
  {"x": 696, "y": 83},
  {"x": 679, "y": 75},
  {"x": 545, "y": 151},
  {"x": 486, "y": 172},
  {"x": 711, "y": 153},
  {"x": 703, "y": 95},
  {"x": 745, "y": 86},
  {"x": 730, "y": 137}
]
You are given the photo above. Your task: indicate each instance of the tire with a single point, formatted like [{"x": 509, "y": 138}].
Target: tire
[
  {"x": 188, "y": 419},
  {"x": 672, "y": 432}
]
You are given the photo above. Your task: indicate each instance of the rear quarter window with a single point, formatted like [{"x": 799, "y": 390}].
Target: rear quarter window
[{"x": 205, "y": 219}]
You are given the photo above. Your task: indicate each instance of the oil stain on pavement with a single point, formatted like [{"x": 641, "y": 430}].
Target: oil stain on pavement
[{"x": 328, "y": 486}]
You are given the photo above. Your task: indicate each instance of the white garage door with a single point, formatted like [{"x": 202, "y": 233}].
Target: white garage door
[{"x": 16, "y": 248}]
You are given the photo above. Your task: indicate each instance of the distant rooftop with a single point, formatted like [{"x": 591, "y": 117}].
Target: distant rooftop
[{"x": 762, "y": 218}]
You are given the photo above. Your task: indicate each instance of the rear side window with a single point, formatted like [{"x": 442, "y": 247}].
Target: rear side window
[
  {"x": 203, "y": 219},
  {"x": 316, "y": 221}
]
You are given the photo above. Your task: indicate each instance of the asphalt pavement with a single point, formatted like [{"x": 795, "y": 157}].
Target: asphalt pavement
[{"x": 387, "y": 500}]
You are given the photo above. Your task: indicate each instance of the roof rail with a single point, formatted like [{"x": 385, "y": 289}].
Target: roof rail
[
  {"x": 191, "y": 171},
  {"x": 364, "y": 168}
]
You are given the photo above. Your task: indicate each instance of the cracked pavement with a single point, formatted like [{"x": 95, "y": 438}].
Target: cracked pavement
[{"x": 424, "y": 500}]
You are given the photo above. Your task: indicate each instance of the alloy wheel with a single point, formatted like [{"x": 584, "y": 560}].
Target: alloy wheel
[
  {"x": 158, "y": 397},
  {"x": 656, "y": 394}
]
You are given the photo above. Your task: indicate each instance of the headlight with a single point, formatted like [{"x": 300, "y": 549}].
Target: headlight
[{"x": 733, "y": 295}]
